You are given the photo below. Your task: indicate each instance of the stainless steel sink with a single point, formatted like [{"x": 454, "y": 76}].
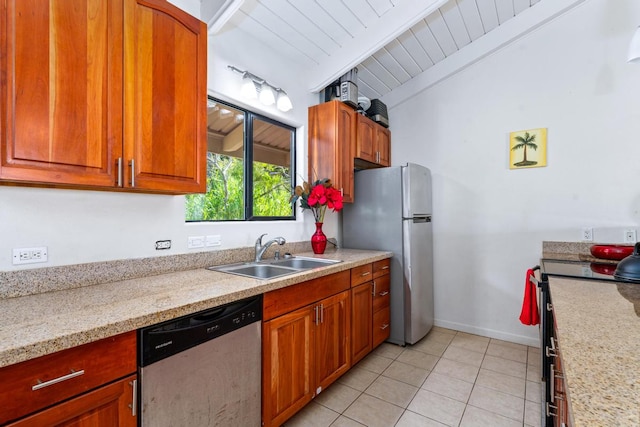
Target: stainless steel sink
[
  {"x": 304, "y": 263},
  {"x": 274, "y": 268}
]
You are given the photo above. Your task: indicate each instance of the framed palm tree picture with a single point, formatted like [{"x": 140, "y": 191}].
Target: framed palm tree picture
[{"x": 528, "y": 148}]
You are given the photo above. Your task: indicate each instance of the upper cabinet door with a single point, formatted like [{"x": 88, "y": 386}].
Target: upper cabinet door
[
  {"x": 61, "y": 107},
  {"x": 165, "y": 97}
]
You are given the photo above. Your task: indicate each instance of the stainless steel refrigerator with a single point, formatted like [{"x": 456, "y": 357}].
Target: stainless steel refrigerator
[{"x": 392, "y": 212}]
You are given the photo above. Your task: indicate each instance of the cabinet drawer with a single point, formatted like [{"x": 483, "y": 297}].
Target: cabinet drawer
[
  {"x": 380, "y": 326},
  {"x": 34, "y": 384},
  {"x": 361, "y": 274},
  {"x": 281, "y": 301},
  {"x": 381, "y": 287},
  {"x": 380, "y": 268}
]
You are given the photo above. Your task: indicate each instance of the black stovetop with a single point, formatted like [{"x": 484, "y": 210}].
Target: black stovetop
[{"x": 579, "y": 270}]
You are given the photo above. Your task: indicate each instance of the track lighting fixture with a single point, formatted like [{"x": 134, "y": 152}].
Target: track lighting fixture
[{"x": 256, "y": 87}]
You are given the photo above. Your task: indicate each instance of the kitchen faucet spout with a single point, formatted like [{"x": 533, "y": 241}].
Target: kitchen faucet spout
[{"x": 260, "y": 248}]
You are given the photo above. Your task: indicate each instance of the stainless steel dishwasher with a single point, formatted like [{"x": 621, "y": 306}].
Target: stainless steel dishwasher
[{"x": 203, "y": 369}]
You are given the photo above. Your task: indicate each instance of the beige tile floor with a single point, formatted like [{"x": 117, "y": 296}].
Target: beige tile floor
[{"x": 449, "y": 378}]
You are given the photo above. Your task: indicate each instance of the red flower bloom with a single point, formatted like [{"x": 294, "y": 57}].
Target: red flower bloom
[{"x": 317, "y": 197}]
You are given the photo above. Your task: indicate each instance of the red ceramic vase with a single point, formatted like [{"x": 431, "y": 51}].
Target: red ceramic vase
[{"x": 318, "y": 240}]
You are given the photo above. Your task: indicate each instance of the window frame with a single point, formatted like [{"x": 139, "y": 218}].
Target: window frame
[{"x": 248, "y": 193}]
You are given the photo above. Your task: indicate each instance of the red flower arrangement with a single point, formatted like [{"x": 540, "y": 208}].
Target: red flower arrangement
[{"x": 317, "y": 197}]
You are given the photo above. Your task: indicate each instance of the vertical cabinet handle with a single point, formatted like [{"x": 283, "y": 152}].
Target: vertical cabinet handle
[
  {"x": 119, "y": 163},
  {"x": 552, "y": 384},
  {"x": 132, "y": 164},
  {"x": 321, "y": 313},
  {"x": 315, "y": 311},
  {"x": 134, "y": 397},
  {"x": 374, "y": 288}
]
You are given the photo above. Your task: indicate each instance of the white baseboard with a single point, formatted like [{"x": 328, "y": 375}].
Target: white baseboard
[{"x": 518, "y": 339}]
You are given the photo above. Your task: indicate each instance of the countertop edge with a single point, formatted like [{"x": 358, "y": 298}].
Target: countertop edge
[{"x": 17, "y": 347}]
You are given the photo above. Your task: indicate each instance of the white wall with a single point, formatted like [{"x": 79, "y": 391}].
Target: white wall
[
  {"x": 89, "y": 226},
  {"x": 569, "y": 76}
]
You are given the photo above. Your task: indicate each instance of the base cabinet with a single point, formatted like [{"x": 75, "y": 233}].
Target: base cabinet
[
  {"x": 90, "y": 385},
  {"x": 361, "y": 321},
  {"x": 304, "y": 349},
  {"x": 108, "y": 406}
]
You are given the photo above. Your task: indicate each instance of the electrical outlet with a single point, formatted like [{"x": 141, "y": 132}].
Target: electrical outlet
[
  {"x": 587, "y": 234},
  {"x": 630, "y": 236},
  {"x": 195, "y": 242},
  {"x": 30, "y": 255},
  {"x": 163, "y": 244}
]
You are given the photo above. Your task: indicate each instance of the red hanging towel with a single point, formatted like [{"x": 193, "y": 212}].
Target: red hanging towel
[{"x": 529, "y": 314}]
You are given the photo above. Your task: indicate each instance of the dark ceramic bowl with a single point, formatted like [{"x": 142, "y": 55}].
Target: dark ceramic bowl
[
  {"x": 616, "y": 252},
  {"x": 629, "y": 268}
]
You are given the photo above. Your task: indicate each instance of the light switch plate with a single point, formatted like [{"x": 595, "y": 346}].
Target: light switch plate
[{"x": 195, "y": 242}]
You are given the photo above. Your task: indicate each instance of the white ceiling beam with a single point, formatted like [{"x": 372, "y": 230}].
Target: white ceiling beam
[
  {"x": 393, "y": 23},
  {"x": 511, "y": 30}
]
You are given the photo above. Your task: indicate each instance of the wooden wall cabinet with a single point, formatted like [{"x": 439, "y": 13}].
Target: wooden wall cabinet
[
  {"x": 373, "y": 142},
  {"x": 92, "y": 384},
  {"x": 332, "y": 136},
  {"x": 305, "y": 341},
  {"x": 340, "y": 140},
  {"x": 103, "y": 95}
]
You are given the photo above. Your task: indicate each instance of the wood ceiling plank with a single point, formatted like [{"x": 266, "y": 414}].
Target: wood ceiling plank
[
  {"x": 302, "y": 23},
  {"x": 244, "y": 22},
  {"x": 381, "y": 6},
  {"x": 377, "y": 69},
  {"x": 392, "y": 66},
  {"x": 453, "y": 18},
  {"x": 471, "y": 16},
  {"x": 415, "y": 50},
  {"x": 396, "y": 21},
  {"x": 401, "y": 55},
  {"x": 372, "y": 79},
  {"x": 521, "y": 5},
  {"x": 363, "y": 11},
  {"x": 430, "y": 45},
  {"x": 367, "y": 91},
  {"x": 323, "y": 20},
  {"x": 488, "y": 14},
  {"x": 441, "y": 32},
  {"x": 504, "y": 9},
  {"x": 281, "y": 28},
  {"x": 347, "y": 19}
]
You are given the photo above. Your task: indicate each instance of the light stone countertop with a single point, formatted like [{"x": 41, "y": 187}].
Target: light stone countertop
[
  {"x": 35, "y": 325},
  {"x": 599, "y": 341}
]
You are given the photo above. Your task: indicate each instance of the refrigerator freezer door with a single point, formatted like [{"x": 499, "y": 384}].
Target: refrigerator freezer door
[
  {"x": 416, "y": 190},
  {"x": 418, "y": 278}
]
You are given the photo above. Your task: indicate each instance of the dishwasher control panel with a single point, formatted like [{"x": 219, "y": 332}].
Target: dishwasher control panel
[{"x": 165, "y": 339}]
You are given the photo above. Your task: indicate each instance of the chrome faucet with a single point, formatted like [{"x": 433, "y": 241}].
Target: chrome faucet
[{"x": 260, "y": 249}]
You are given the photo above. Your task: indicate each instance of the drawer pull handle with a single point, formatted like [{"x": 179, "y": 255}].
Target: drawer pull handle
[
  {"x": 73, "y": 374},
  {"x": 384, "y": 293},
  {"x": 385, "y": 326},
  {"x": 385, "y": 267},
  {"x": 366, "y": 273}
]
